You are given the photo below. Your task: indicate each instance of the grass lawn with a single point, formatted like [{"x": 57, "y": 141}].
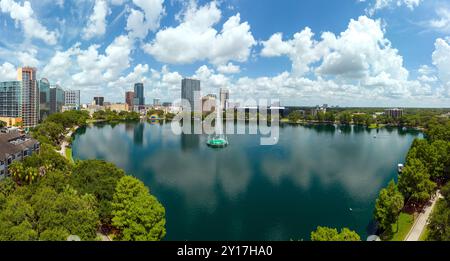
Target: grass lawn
[
  {"x": 373, "y": 126},
  {"x": 69, "y": 154},
  {"x": 424, "y": 235},
  {"x": 405, "y": 222}
]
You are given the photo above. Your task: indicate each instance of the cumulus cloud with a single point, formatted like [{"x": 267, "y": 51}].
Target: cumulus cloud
[
  {"x": 360, "y": 56},
  {"x": 441, "y": 59},
  {"x": 60, "y": 64},
  {"x": 139, "y": 23},
  {"x": 230, "y": 68},
  {"x": 28, "y": 57},
  {"x": 382, "y": 4},
  {"x": 196, "y": 39},
  {"x": 302, "y": 50},
  {"x": 99, "y": 68},
  {"x": 96, "y": 25},
  {"x": 442, "y": 23},
  {"x": 31, "y": 26},
  {"x": 8, "y": 72}
]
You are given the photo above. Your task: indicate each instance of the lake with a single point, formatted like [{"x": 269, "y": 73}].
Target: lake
[{"x": 316, "y": 175}]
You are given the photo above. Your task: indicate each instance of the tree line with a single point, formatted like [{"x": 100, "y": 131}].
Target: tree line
[
  {"x": 427, "y": 168},
  {"x": 48, "y": 198}
]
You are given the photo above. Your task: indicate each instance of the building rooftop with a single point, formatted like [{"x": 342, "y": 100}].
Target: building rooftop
[{"x": 14, "y": 142}]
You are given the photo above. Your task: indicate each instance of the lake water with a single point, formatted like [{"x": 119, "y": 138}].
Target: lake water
[{"x": 318, "y": 175}]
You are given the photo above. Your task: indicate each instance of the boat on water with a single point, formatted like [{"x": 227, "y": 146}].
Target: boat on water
[{"x": 400, "y": 168}]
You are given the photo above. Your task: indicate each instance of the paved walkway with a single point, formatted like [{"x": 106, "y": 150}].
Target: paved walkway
[
  {"x": 422, "y": 220},
  {"x": 65, "y": 143}
]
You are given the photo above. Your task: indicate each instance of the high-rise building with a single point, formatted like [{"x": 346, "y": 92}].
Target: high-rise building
[
  {"x": 209, "y": 103},
  {"x": 44, "y": 98},
  {"x": 99, "y": 101},
  {"x": 394, "y": 113},
  {"x": 129, "y": 97},
  {"x": 190, "y": 91},
  {"x": 139, "y": 99},
  {"x": 56, "y": 99},
  {"x": 224, "y": 97},
  {"x": 72, "y": 99},
  {"x": 156, "y": 102},
  {"x": 30, "y": 96},
  {"x": 11, "y": 99}
]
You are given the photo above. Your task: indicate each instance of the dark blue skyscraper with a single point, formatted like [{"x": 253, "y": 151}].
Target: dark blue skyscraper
[
  {"x": 139, "y": 99},
  {"x": 190, "y": 91}
]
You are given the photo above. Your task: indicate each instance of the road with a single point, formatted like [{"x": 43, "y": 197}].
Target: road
[{"x": 422, "y": 220}]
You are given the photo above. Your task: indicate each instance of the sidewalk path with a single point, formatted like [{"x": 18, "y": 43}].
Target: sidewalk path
[
  {"x": 65, "y": 143},
  {"x": 422, "y": 220}
]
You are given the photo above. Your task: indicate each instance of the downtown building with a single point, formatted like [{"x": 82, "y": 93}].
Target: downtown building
[
  {"x": 71, "y": 100},
  {"x": 56, "y": 98},
  {"x": 11, "y": 102},
  {"x": 98, "y": 101},
  {"x": 139, "y": 98},
  {"x": 44, "y": 98},
  {"x": 190, "y": 91},
  {"x": 224, "y": 98},
  {"x": 30, "y": 96},
  {"x": 129, "y": 100}
]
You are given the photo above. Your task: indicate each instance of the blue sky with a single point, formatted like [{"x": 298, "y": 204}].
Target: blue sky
[{"x": 346, "y": 52}]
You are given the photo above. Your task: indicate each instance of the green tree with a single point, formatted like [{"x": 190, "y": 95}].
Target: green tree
[
  {"x": 414, "y": 182},
  {"x": 331, "y": 234},
  {"x": 320, "y": 117},
  {"x": 48, "y": 131},
  {"x": 138, "y": 214},
  {"x": 330, "y": 117},
  {"x": 439, "y": 226},
  {"x": 16, "y": 220},
  {"x": 21, "y": 174},
  {"x": 388, "y": 206},
  {"x": 54, "y": 234},
  {"x": 98, "y": 178},
  {"x": 65, "y": 211},
  {"x": 295, "y": 116},
  {"x": 345, "y": 118}
]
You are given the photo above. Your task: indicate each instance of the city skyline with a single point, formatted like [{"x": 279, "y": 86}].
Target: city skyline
[{"x": 360, "y": 56}]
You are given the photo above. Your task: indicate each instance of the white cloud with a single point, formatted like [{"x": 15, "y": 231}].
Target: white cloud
[
  {"x": 28, "y": 58},
  {"x": 195, "y": 38},
  {"x": 8, "y": 72},
  {"x": 140, "y": 23},
  {"x": 96, "y": 25},
  {"x": 60, "y": 65},
  {"x": 30, "y": 24},
  {"x": 124, "y": 83},
  {"x": 302, "y": 50},
  {"x": 441, "y": 59},
  {"x": 360, "y": 52},
  {"x": 442, "y": 23},
  {"x": 230, "y": 68},
  {"x": 382, "y": 4},
  {"x": 100, "y": 68}
]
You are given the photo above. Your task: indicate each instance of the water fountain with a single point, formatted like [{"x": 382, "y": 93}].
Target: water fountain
[{"x": 218, "y": 140}]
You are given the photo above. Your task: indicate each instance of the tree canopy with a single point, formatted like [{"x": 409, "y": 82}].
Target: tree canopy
[
  {"x": 137, "y": 213},
  {"x": 414, "y": 182},
  {"x": 388, "y": 206},
  {"x": 98, "y": 178},
  {"x": 331, "y": 234}
]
